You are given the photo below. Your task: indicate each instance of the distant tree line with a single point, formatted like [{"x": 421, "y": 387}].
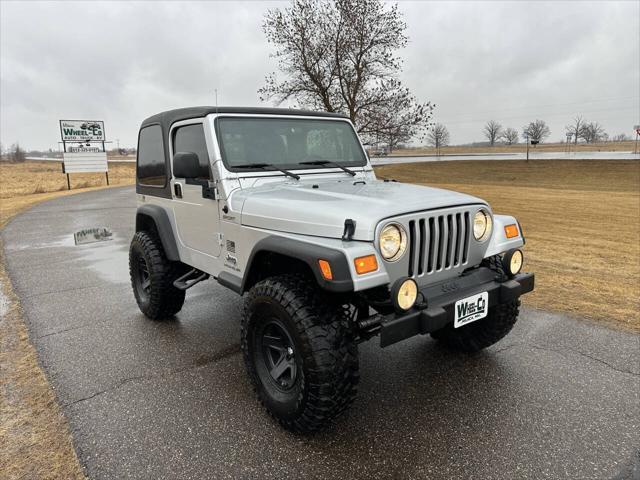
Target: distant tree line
[
  {"x": 538, "y": 131},
  {"x": 15, "y": 153}
]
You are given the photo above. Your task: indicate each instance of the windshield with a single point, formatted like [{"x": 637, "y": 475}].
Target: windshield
[{"x": 287, "y": 142}]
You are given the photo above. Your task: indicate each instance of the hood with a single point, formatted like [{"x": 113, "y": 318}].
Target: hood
[{"x": 320, "y": 208}]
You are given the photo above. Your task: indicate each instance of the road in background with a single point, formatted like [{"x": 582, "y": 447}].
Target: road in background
[
  {"x": 508, "y": 156},
  {"x": 557, "y": 398},
  {"x": 110, "y": 160}
]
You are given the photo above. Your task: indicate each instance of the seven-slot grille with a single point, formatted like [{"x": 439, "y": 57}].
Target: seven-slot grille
[{"x": 438, "y": 242}]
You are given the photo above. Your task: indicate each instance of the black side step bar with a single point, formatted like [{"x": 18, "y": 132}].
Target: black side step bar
[{"x": 189, "y": 279}]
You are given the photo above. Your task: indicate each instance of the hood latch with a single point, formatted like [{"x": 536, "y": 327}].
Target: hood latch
[{"x": 349, "y": 229}]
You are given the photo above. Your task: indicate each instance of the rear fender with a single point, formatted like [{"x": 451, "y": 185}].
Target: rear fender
[{"x": 150, "y": 217}]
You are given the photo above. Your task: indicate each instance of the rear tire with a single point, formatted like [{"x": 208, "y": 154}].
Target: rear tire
[
  {"x": 152, "y": 277},
  {"x": 483, "y": 333},
  {"x": 299, "y": 353}
]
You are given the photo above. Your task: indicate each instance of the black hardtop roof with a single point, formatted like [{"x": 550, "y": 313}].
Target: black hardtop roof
[{"x": 166, "y": 119}]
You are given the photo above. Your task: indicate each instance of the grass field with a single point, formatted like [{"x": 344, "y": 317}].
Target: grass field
[
  {"x": 581, "y": 220},
  {"x": 521, "y": 147},
  {"x": 40, "y": 177}
]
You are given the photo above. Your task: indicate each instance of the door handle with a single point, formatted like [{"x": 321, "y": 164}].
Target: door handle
[{"x": 177, "y": 189}]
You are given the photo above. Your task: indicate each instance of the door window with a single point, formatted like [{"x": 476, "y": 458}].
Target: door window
[{"x": 190, "y": 138}]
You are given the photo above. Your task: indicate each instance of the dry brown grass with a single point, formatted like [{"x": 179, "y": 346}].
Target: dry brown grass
[
  {"x": 31, "y": 177},
  {"x": 581, "y": 220},
  {"x": 34, "y": 435},
  {"x": 545, "y": 147}
]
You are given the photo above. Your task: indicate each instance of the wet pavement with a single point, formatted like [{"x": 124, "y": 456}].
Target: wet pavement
[{"x": 557, "y": 398}]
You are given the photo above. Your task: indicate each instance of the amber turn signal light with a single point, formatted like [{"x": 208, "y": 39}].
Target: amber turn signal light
[
  {"x": 511, "y": 231},
  {"x": 366, "y": 264},
  {"x": 325, "y": 269}
]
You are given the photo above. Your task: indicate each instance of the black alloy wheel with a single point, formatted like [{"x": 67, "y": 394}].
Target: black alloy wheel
[{"x": 277, "y": 354}]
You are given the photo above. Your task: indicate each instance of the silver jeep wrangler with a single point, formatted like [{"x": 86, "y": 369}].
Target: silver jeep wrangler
[{"x": 282, "y": 206}]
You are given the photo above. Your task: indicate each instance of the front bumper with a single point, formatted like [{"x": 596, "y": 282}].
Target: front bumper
[{"x": 441, "y": 299}]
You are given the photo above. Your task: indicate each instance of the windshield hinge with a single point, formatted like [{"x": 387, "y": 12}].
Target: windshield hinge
[{"x": 210, "y": 191}]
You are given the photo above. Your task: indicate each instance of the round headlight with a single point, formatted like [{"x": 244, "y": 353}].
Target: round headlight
[
  {"x": 393, "y": 242},
  {"x": 512, "y": 261},
  {"x": 482, "y": 225},
  {"x": 404, "y": 294}
]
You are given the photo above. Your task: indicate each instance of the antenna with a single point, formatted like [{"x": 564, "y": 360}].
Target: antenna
[{"x": 216, "y": 92}]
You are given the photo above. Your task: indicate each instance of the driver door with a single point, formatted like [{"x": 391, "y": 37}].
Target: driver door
[{"x": 197, "y": 218}]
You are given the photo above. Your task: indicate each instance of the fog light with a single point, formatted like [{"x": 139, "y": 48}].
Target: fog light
[
  {"x": 404, "y": 294},
  {"x": 512, "y": 261}
]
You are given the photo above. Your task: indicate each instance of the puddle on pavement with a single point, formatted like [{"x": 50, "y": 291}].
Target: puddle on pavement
[
  {"x": 66, "y": 241},
  {"x": 109, "y": 260},
  {"x": 92, "y": 235}
]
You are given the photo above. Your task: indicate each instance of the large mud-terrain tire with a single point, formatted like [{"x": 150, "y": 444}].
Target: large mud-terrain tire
[
  {"x": 299, "y": 352},
  {"x": 483, "y": 333},
  {"x": 152, "y": 276}
]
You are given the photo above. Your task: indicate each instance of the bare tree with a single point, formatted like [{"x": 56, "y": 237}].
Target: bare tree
[
  {"x": 536, "y": 131},
  {"x": 621, "y": 137},
  {"x": 341, "y": 57},
  {"x": 593, "y": 132},
  {"x": 510, "y": 136},
  {"x": 575, "y": 127},
  {"x": 492, "y": 130},
  {"x": 438, "y": 136},
  {"x": 16, "y": 153}
]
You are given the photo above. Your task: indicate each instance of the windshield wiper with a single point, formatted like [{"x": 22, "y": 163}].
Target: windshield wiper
[
  {"x": 329, "y": 162},
  {"x": 265, "y": 166}
]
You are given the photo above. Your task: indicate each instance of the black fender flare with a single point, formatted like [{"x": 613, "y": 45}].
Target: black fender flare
[
  {"x": 160, "y": 219},
  {"x": 309, "y": 254}
]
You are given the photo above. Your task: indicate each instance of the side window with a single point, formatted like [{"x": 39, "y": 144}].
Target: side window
[
  {"x": 190, "y": 138},
  {"x": 151, "y": 169}
]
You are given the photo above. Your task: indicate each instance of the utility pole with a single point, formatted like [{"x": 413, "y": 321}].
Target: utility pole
[{"x": 526, "y": 136}]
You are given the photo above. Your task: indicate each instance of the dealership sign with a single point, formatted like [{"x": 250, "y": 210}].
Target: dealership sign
[
  {"x": 82, "y": 130},
  {"x": 83, "y": 147}
]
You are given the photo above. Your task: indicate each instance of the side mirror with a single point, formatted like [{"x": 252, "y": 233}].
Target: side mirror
[{"x": 186, "y": 165}]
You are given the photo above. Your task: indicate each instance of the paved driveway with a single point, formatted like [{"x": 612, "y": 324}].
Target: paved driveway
[{"x": 555, "y": 399}]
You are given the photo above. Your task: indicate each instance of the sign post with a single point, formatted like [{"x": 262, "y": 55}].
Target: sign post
[
  {"x": 84, "y": 150},
  {"x": 569, "y": 137}
]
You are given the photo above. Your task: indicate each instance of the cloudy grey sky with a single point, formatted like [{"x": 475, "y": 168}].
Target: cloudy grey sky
[{"x": 121, "y": 62}]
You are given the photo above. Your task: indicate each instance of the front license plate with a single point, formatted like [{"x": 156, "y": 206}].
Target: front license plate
[{"x": 471, "y": 309}]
